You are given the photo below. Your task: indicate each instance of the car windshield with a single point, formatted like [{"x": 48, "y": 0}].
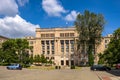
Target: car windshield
[{"x": 13, "y": 64}]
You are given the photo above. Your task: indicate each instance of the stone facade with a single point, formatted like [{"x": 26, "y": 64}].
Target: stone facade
[{"x": 59, "y": 44}]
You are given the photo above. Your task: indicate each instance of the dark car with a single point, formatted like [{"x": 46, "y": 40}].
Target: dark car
[
  {"x": 100, "y": 68},
  {"x": 14, "y": 67},
  {"x": 118, "y": 66}
]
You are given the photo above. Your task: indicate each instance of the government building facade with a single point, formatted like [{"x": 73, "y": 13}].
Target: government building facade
[{"x": 60, "y": 45}]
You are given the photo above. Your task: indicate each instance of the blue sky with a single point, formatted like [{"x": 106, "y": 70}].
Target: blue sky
[{"x": 20, "y": 17}]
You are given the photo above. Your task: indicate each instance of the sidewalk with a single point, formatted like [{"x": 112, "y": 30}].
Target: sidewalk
[{"x": 106, "y": 77}]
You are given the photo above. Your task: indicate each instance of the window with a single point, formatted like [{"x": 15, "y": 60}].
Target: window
[
  {"x": 31, "y": 42},
  {"x": 106, "y": 41},
  {"x": 71, "y": 34},
  {"x": 47, "y": 42},
  {"x": 52, "y": 52},
  {"x": 62, "y": 48},
  {"x": 52, "y": 57},
  {"x": 62, "y": 41},
  {"x": 61, "y": 34},
  {"x": 47, "y": 35},
  {"x": 67, "y": 41},
  {"x": 62, "y": 62},
  {"x": 52, "y": 48},
  {"x": 42, "y": 35},
  {"x": 42, "y": 42},
  {"x": 66, "y": 34},
  {"x": 72, "y": 41},
  {"x": 47, "y": 57},
  {"x": 48, "y": 52},
  {"x": 43, "y": 52},
  {"x": 43, "y": 47},
  {"x": 52, "y": 35},
  {"x": 48, "y": 47},
  {"x": 52, "y": 42},
  {"x": 67, "y": 62}
]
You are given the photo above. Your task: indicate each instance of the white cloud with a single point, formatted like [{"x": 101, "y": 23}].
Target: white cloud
[
  {"x": 52, "y": 7},
  {"x": 22, "y": 2},
  {"x": 72, "y": 16},
  {"x": 14, "y": 27},
  {"x": 8, "y": 7}
]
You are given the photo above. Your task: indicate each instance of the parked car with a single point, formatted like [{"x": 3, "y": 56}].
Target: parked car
[
  {"x": 118, "y": 66},
  {"x": 100, "y": 68},
  {"x": 14, "y": 66}
]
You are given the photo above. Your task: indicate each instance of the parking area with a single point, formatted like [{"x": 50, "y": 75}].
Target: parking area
[
  {"x": 59, "y": 74},
  {"x": 36, "y": 74}
]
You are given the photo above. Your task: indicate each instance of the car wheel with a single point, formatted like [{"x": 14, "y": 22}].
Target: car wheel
[{"x": 95, "y": 69}]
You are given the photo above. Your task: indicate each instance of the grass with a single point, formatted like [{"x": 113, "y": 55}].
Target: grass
[{"x": 42, "y": 67}]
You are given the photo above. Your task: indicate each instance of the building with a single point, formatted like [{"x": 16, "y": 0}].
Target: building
[
  {"x": 59, "y": 44},
  {"x": 56, "y": 44},
  {"x": 102, "y": 46},
  {"x": 2, "y": 39},
  {"x": 31, "y": 41}
]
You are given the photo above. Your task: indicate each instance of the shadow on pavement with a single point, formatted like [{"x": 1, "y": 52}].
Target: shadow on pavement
[{"x": 115, "y": 72}]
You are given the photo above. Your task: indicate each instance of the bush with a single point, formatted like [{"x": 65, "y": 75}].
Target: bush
[{"x": 72, "y": 67}]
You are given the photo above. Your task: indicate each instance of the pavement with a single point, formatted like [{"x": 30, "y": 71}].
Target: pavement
[
  {"x": 109, "y": 75},
  {"x": 61, "y": 74}
]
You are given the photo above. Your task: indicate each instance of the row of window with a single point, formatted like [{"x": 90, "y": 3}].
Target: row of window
[
  {"x": 61, "y": 35},
  {"x": 67, "y": 62},
  {"x": 66, "y": 34},
  {"x": 47, "y": 35}
]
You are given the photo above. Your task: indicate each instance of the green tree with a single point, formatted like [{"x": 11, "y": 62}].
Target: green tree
[
  {"x": 37, "y": 59},
  {"x": 14, "y": 50},
  {"x": 89, "y": 27},
  {"x": 112, "y": 53},
  {"x": 43, "y": 59}
]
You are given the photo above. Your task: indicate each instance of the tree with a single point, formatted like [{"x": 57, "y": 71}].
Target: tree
[
  {"x": 43, "y": 59},
  {"x": 14, "y": 50},
  {"x": 89, "y": 27},
  {"x": 112, "y": 53},
  {"x": 37, "y": 58}
]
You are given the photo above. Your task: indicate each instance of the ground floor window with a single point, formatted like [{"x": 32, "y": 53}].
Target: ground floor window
[
  {"x": 62, "y": 62},
  {"x": 67, "y": 62},
  {"x": 72, "y": 62}
]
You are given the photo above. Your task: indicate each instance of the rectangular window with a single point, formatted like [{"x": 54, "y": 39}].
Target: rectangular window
[
  {"x": 62, "y": 41},
  {"x": 42, "y": 35},
  {"x": 67, "y": 41},
  {"x": 71, "y": 41},
  {"x": 66, "y": 34},
  {"x": 48, "y": 47},
  {"x": 43, "y": 52},
  {"x": 61, "y": 34},
  {"x": 47, "y": 35},
  {"x": 52, "y": 42},
  {"x": 43, "y": 47},
  {"x": 52, "y": 52},
  {"x": 67, "y": 62},
  {"x": 62, "y": 48},
  {"x": 47, "y": 42},
  {"x": 62, "y": 62},
  {"x": 31, "y": 42},
  {"x": 106, "y": 41},
  {"x": 48, "y": 52},
  {"x": 52, "y": 48},
  {"x": 43, "y": 42},
  {"x": 52, "y": 35},
  {"x": 71, "y": 34}
]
